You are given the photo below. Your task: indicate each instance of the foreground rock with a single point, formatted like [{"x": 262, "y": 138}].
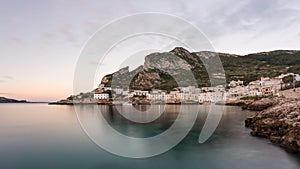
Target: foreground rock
[{"x": 280, "y": 124}]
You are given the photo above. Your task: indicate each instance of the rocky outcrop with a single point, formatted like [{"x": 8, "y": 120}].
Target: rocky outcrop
[{"x": 280, "y": 124}]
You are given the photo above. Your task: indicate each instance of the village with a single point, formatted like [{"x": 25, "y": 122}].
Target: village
[{"x": 235, "y": 90}]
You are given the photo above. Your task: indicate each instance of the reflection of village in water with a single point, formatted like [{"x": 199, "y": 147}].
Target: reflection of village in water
[{"x": 235, "y": 90}]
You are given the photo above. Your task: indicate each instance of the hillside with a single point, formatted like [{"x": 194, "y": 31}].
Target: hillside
[
  {"x": 160, "y": 68},
  {"x": 7, "y": 100}
]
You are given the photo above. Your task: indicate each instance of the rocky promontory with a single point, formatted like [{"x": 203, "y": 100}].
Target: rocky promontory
[{"x": 279, "y": 123}]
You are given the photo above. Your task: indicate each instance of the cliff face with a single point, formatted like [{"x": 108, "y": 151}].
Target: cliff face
[
  {"x": 165, "y": 61},
  {"x": 280, "y": 124},
  {"x": 161, "y": 69}
]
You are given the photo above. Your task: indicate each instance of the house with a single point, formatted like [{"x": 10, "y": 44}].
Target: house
[
  {"x": 170, "y": 97},
  {"x": 101, "y": 96},
  {"x": 190, "y": 89},
  {"x": 118, "y": 91},
  {"x": 208, "y": 89},
  {"x": 156, "y": 95},
  {"x": 266, "y": 91},
  {"x": 140, "y": 93},
  {"x": 188, "y": 97},
  {"x": 101, "y": 86},
  {"x": 253, "y": 89},
  {"x": 205, "y": 97},
  {"x": 107, "y": 88},
  {"x": 125, "y": 93},
  {"x": 237, "y": 91},
  {"x": 174, "y": 92},
  {"x": 297, "y": 77},
  {"x": 211, "y": 97},
  {"x": 265, "y": 79},
  {"x": 219, "y": 88},
  {"x": 193, "y": 97},
  {"x": 234, "y": 83}
]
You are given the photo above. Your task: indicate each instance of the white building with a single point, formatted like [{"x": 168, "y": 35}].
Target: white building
[
  {"x": 107, "y": 88},
  {"x": 193, "y": 97},
  {"x": 207, "y": 89},
  {"x": 170, "y": 97},
  {"x": 101, "y": 86},
  {"x": 140, "y": 93},
  {"x": 238, "y": 91},
  {"x": 156, "y": 96},
  {"x": 297, "y": 77},
  {"x": 219, "y": 88},
  {"x": 101, "y": 96},
  {"x": 236, "y": 83},
  {"x": 125, "y": 93},
  {"x": 190, "y": 89},
  {"x": 118, "y": 91},
  {"x": 211, "y": 97}
]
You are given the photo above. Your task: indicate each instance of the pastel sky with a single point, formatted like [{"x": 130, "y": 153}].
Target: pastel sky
[{"x": 41, "y": 40}]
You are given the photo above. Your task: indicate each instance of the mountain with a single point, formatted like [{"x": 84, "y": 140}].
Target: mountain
[
  {"x": 161, "y": 69},
  {"x": 7, "y": 100}
]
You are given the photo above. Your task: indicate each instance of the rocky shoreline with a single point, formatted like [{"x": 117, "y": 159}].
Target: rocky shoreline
[
  {"x": 254, "y": 105},
  {"x": 279, "y": 122}
]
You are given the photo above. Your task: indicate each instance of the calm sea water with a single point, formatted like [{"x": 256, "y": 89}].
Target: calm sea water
[{"x": 38, "y": 136}]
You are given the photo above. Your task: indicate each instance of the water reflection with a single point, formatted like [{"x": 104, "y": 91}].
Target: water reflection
[
  {"x": 42, "y": 136},
  {"x": 94, "y": 121}
]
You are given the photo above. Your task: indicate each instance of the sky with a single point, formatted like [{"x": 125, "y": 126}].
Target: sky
[{"x": 41, "y": 40}]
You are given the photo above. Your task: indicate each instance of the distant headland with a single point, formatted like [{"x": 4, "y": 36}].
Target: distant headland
[{"x": 8, "y": 100}]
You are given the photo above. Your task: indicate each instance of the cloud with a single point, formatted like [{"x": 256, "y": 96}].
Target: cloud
[
  {"x": 5, "y": 78},
  {"x": 96, "y": 63},
  {"x": 6, "y": 93},
  {"x": 65, "y": 32},
  {"x": 14, "y": 41}
]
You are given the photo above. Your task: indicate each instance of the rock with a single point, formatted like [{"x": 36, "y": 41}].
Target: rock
[
  {"x": 261, "y": 104},
  {"x": 292, "y": 140},
  {"x": 275, "y": 139},
  {"x": 255, "y": 105},
  {"x": 279, "y": 123}
]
